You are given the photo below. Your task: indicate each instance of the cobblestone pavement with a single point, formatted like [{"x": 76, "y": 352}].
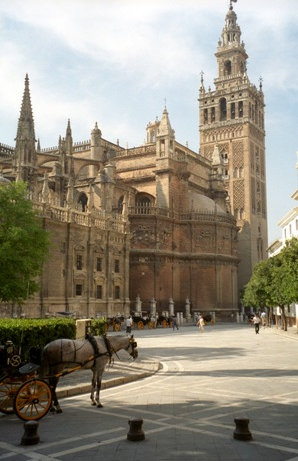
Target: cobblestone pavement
[{"x": 188, "y": 407}]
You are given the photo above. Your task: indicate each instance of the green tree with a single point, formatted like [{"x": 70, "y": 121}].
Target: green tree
[
  {"x": 274, "y": 282},
  {"x": 23, "y": 244},
  {"x": 258, "y": 291},
  {"x": 285, "y": 277}
]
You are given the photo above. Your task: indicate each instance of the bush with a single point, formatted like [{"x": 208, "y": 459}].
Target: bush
[
  {"x": 27, "y": 333},
  {"x": 98, "y": 327}
]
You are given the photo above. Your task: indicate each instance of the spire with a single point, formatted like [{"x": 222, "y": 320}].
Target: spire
[
  {"x": 68, "y": 139},
  {"x": 96, "y": 130},
  {"x": 202, "y": 88},
  {"x": 26, "y": 123},
  {"x": 231, "y": 32},
  {"x": 25, "y": 151},
  {"x": 231, "y": 55},
  {"x": 165, "y": 128},
  {"x": 68, "y": 129}
]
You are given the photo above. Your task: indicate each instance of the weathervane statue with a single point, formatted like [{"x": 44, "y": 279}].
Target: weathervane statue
[{"x": 231, "y": 1}]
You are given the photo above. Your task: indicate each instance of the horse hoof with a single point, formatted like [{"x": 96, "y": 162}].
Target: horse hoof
[
  {"x": 52, "y": 410},
  {"x": 99, "y": 405},
  {"x": 93, "y": 404},
  {"x": 58, "y": 410}
]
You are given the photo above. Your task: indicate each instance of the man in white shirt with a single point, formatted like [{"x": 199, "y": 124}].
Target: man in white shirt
[
  {"x": 128, "y": 324},
  {"x": 256, "y": 321}
]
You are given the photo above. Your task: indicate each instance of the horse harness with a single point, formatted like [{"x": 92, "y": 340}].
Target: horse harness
[
  {"x": 97, "y": 354},
  {"x": 94, "y": 344}
]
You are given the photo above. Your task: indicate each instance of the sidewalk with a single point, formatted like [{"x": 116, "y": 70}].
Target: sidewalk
[
  {"x": 291, "y": 333},
  {"x": 120, "y": 372}
]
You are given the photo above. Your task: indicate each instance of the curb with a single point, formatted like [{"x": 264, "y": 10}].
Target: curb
[
  {"x": 85, "y": 388},
  {"x": 287, "y": 334}
]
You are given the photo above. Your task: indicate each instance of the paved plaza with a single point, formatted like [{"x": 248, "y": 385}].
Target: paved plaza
[{"x": 188, "y": 407}]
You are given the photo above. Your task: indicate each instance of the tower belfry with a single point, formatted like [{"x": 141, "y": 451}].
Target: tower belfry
[{"x": 232, "y": 118}]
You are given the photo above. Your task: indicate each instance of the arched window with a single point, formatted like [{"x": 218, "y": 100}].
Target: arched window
[
  {"x": 83, "y": 200},
  {"x": 143, "y": 204},
  {"x": 120, "y": 204},
  {"x": 223, "y": 109},
  {"x": 233, "y": 110},
  {"x": 228, "y": 68}
]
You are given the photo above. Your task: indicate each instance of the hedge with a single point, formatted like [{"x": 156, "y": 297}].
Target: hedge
[
  {"x": 27, "y": 333},
  {"x": 98, "y": 327}
]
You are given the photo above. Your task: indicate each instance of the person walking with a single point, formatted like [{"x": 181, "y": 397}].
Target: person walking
[
  {"x": 174, "y": 322},
  {"x": 256, "y": 321},
  {"x": 263, "y": 318},
  {"x": 201, "y": 323},
  {"x": 128, "y": 323}
]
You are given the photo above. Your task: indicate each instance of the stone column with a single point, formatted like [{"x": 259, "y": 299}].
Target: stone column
[
  {"x": 138, "y": 304},
  {"x": 153, "y": 306},
  {"x": 187, "y": 309},
  {"x": 171, "y": 307}
]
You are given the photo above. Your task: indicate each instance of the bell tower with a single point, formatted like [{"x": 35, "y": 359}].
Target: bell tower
[{"x": 232, "y": 118}]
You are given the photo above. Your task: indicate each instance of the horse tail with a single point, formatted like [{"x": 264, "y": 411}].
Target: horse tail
[{"x": 44, "y": 370}]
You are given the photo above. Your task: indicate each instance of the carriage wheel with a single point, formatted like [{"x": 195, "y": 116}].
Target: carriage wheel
[
  {"x": 150, "y": 325},
  {"x": 140, "y": 325},
  {"x": 164, "y": 324},
  {"x": 8, "y": 390},
  {"x": 33, "y": 400},
  {"x": 116, "y": 326}
]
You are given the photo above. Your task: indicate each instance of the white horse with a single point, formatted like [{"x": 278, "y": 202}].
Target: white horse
[{"x": 64, "y": 356}]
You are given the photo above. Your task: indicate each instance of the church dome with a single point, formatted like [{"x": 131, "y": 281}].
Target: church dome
[{"x": 201, "y": 203}]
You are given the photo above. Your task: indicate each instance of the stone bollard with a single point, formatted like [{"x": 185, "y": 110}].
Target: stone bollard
[
  {"x": 30, "y": 436},
  {"x": 135, "y": 433},
  {"x": 242, "y": 432}
]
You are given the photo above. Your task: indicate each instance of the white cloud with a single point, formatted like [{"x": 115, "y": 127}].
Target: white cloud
[{"x": 115, "y": 60}]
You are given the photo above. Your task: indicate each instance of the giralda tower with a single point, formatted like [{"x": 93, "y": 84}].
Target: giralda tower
[{"x": 232, "y": 120}]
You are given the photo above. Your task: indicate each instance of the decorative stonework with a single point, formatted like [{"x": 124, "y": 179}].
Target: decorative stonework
[
  {"x": 238, "y": 154},
  {"x": 238, "y": 194}
]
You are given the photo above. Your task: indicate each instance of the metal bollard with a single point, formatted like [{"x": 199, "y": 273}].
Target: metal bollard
[
  {"x": 242, "y": 431},
  {"x": 30, "y": 436},
  {"x": 135, "y": 433}
]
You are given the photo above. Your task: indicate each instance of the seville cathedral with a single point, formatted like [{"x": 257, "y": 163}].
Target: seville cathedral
[{"x": 154, "y": 225}]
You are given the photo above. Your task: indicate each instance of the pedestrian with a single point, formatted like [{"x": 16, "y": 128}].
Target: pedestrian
[
  {"x": 263, "y": 318},
  {"x": 256, "y": 321},
  {"x": 128, "y": 324},
  {"x": 174, "y": 322},
  {"x": 201, "y": 323}
]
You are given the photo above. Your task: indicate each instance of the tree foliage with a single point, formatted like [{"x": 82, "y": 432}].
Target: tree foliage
[
  {"x": 23, "y": 244},
  {"x": 274, "y": 282}
]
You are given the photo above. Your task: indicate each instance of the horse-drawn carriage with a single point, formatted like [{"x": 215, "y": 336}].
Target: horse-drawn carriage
[
  {"x": 143, "y": 319},
  {"x": 21, "y": 391},
  {"x": 29, "y": 390},
  {"x": 114, "y": 323},
  {"x": 164, "y": 321}
]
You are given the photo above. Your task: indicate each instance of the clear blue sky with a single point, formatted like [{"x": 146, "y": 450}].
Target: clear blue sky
[{"x": 115, "y": 61}]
